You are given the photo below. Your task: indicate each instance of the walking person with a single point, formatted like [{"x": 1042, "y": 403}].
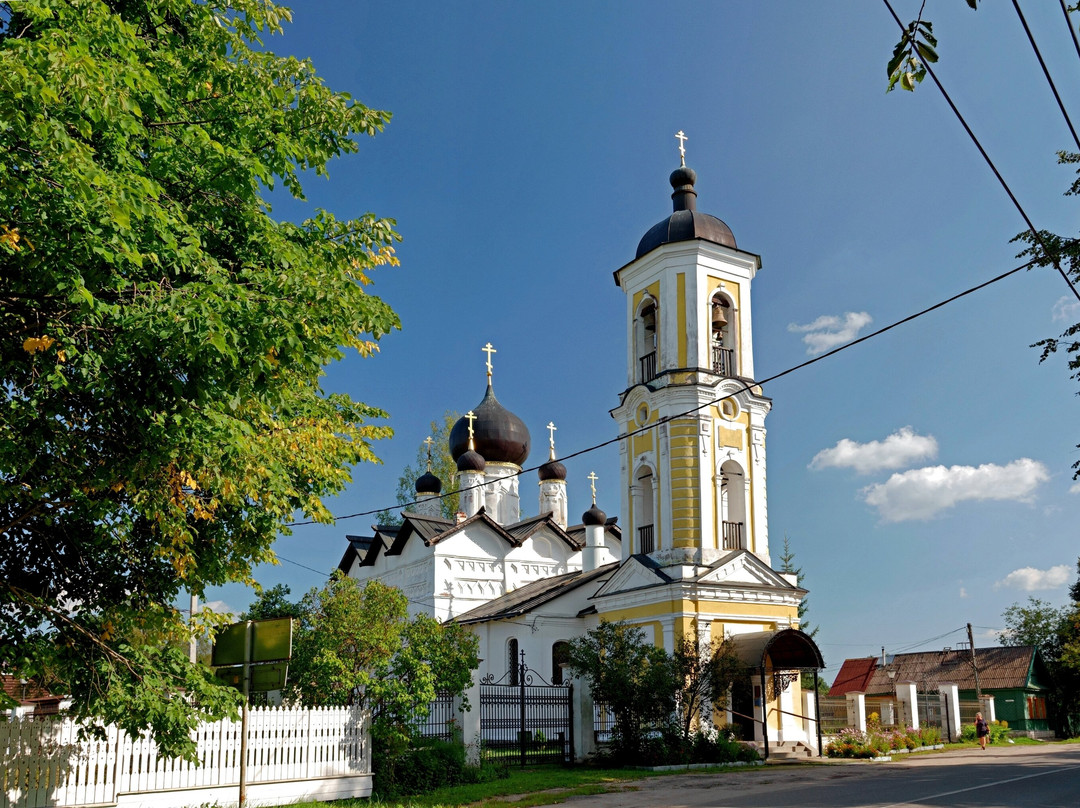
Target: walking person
[{"x": 982, "y": 731}]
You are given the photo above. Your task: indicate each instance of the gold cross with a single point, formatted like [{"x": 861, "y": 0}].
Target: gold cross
[
  {"x": 429, "y": 443},
  {"x": 551, "y": 431},
  {"x": 489, "y": 351},
  {"x": 682, "y": 146},
  {"x": 592, "y": 484},
  {"x": 470, "y": 416}
]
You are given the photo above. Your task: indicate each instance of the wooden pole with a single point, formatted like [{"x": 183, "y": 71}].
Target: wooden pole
[{"x": 974, "y": 665}]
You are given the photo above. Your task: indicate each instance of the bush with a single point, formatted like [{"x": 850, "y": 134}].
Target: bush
[{"x": 428, "y": 765}]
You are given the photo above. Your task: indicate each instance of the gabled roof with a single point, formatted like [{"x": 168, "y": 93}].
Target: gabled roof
[
  {"x": 999, "y": 669},
  {"x": 639, "y": 572},
  {"x": 743, "y": 568},
  {"x": 363, "y": 549},
  {"x": 526, "y": 598},
  {"x": 527, "y": 528},
  {"x": 428, "y": 528},
  {"x": 854, "y": 676}
]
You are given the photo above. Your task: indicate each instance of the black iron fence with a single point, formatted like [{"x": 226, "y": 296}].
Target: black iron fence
[
  {"x": 441, "y": 721},
  {"x": 528, "y": 722}
]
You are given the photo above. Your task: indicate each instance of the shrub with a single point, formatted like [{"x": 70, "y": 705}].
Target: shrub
[{"x": 429, "y": 765}]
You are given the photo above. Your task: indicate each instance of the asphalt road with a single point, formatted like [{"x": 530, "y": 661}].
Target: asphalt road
[{"x": 1001, "y": 777}]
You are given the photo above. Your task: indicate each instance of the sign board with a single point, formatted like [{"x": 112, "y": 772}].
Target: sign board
[
  {"x": 270, "y": 676},
  {"x": 271, "y": 641}
]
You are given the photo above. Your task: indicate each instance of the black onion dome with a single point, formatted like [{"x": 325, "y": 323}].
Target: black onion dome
[
  {"x": 471, "y": 461},
  {"x": 593, "y": 516},
  {"x": 428, "y": 483},
  {"x": 498, "y": 435},
  {"x": 685, "y": 223},
  {"x": 552, "y": 470}
]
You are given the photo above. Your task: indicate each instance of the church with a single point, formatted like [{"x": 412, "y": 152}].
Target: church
[{"x": 689, "y": 555}]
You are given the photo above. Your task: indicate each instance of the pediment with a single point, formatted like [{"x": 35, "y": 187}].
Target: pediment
[
  {"x": 634, "y": 574},
  {"x": 743, "y": 568}
]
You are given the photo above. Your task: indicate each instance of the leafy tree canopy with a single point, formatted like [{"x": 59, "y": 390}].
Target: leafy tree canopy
[{"x": 162, "y": 337}]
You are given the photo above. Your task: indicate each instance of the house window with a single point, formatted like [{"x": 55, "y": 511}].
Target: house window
[
  {"x": 560, "y": 655},
  {"x": 513, "y": 665}
]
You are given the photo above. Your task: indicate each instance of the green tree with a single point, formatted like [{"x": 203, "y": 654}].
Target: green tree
[
  {"x": 703, "y": 672},
  {"x": 1056, "y": 633},
  {"x": 787, "y": 565},
  {"x": 357, "y": 645},
  {"x": 442, "y": 466},
  {"x": 162, "y": 336},
  {"x": 631, "y": 677},
  {"x": 271, "y": 603}
]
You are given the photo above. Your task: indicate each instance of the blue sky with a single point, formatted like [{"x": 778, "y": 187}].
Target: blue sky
[{"x": 923, "y": 477}]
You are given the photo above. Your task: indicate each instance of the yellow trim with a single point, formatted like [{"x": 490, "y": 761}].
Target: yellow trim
[{"x": 680, "y": 287}]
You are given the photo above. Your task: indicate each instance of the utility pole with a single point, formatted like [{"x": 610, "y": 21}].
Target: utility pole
[{"x": 974, "y": 665}]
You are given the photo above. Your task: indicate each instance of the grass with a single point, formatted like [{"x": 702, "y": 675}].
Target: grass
[{"x": 547, "y": 785}]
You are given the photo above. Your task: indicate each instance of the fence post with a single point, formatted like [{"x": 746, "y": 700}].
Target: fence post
[
  {"x": 856, "y": 710},
  {"x": 907, "y": 695},
  {"x": 949, "y": 694}
]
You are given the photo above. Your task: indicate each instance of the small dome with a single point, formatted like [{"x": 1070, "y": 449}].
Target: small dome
[
  {"x": 552, "y": 470},
  {"x": 428, "y": 483},
  {"x": 593, "y": 516},
  {"x": 498, "y": 435},
  {"x": 685, "y": 223},
  {"x": 471, "y": 461}
]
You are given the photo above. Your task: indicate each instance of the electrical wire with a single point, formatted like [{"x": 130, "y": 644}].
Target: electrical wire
[
  {"x": 1046, "y": 72},
  {"x": 744, "y": 388},
  {"x": 986, "y": 157},
  {"x": 1069, "y": 25},
  {"x": 325, "y": 575}
]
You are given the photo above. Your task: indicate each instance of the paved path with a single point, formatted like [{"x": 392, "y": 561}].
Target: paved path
[{"x": 1001, "y": 777}]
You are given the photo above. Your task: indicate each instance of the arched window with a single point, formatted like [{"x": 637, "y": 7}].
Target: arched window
[
  {"x": 644, "y": 492},
  {"x": 646, "y": 340},
  {"x": 733, "y": 506},
  {"x": 722, "y": 329},
  {"x": 513, "y": 664},
  {"x": 560, "y": 655}
]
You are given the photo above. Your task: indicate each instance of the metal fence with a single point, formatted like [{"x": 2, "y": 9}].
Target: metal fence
[
  {"x": 527, "y": 722},
  {"x": 833, "y": 712},
  {"x": 441, "y": 721}
]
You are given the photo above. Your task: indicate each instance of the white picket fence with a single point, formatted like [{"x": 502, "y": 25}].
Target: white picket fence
[{"x": 292, "y": 754}]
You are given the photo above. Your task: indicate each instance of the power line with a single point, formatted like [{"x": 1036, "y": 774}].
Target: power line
[
  {"x": 1046, "y": 71},
  {"x": 1068, "y": 24},
  {"x": 744, "y": 388},
  {"x": 325, "y": 575},
  {"x": 986, "y": 157}
]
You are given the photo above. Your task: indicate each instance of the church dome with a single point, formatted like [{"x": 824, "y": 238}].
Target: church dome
[
  {"x": 499, "y": 436},
  {"x": 471, "y": 461},
  {"x": 593, "y": 516},
  {"x": 552, "y": 470},
  {"x": 685, "y": 223},
  {"x": 428, "y": 483}
]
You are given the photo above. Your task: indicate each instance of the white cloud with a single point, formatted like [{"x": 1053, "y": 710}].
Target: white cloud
[
  {"x": 1075, "y": 489},
  {"x": 899, "y": 449},
  {"x": 828, "y": 331},
  {"x": 923, "y": 493},
  {"x": 963, "y": 592},
  {"x": 217, "y": 606},
  {"x": 1030, "y": 579},
  {"x": 1067, "y": 309}
]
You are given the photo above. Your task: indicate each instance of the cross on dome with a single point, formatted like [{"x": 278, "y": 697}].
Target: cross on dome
[
  {"x": 470, "y": 416},
  {"x": 489, "y": 351},
  {"x": 682, "y": 138},
  {"x": 592, "y": 484},
  {"x": 428, "y": 443},
  {"x": 551, "y": 439}
]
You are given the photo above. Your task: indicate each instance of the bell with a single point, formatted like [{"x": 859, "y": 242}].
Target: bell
[{"x": 719, "y": 319}]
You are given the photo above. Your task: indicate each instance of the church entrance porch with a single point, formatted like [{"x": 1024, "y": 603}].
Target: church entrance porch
[{"x": 524, "y": 719}]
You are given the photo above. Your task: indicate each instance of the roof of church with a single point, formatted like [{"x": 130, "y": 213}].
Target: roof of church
[
  {"x": 999, "y": 668},
  {"x": 364, "y": 549},
  {"x": 577, "y": 532},
  {"x": 499, "y": 436},
  {"x": 685, "y": 223},
  {"x": 528, "y": 597}
]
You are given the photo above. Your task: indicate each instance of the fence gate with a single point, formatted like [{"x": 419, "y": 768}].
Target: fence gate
[{"x": 525, "y": 720}]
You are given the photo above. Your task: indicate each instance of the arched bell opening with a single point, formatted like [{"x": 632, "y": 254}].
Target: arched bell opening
[
  {"x": 645, "y": 340},
  {"x": 722, "y": 340}
]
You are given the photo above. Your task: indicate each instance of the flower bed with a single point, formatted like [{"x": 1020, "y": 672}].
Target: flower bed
[{"x": 877, "y": 742}]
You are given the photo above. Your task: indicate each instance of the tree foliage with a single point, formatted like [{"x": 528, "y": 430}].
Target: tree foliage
[
  {"x": 357, "y": 645},
  {"x": 1056, "y": 633},
  {"x": 704, "y": 672},
  {"x": 162, "y": 336},
  {"x": 442, "y": 466},
  {"x": 631, "y": 677}
]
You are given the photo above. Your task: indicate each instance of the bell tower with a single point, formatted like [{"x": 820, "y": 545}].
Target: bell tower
[{"x": 693, "y": 474}]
